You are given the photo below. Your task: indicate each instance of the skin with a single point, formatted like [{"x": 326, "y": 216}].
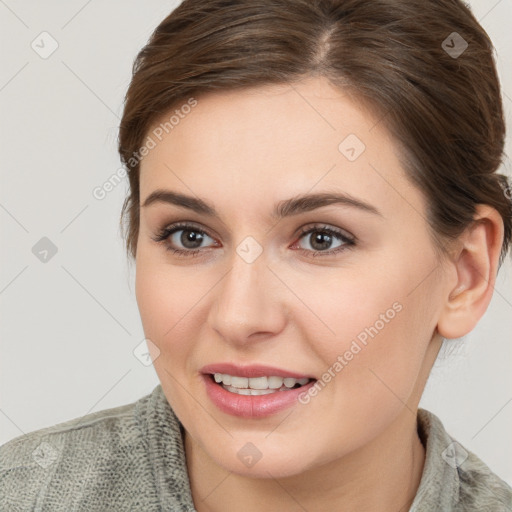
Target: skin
[{"x": 354, "y": 446}]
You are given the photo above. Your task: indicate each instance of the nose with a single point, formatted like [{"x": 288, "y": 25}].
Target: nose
[{"x": 248, "y": 303}]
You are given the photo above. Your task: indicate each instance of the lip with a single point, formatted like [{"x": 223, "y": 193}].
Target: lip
[
  {"x": 253, "y": 370},
  {"x": 249, "y": 406}
]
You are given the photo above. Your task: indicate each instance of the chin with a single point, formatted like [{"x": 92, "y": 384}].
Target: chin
[{"x": 269, "y": 462}]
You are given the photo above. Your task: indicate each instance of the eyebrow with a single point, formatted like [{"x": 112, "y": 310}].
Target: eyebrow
[{"x": 286, "y": 208}]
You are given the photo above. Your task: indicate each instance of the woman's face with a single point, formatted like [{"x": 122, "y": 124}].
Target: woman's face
[{"x": 339, "y": 292}]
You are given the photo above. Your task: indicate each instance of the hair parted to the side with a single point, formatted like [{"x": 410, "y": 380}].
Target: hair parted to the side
[{"x": 444, "y": 111}]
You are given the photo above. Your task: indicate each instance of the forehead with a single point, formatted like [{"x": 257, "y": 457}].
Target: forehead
[{"x": 272, "y": 142}]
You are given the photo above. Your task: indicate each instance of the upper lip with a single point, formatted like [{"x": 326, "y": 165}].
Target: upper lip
[{"x": 253, "y": 370}]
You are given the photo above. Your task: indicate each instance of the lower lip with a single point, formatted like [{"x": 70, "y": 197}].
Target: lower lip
[{"x": 249, "y": 406}]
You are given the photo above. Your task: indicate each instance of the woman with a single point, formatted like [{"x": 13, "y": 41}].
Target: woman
[{"x": 314, "y": 207}]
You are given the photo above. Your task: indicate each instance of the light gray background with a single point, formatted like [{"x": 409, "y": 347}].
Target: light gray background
[{"x": 69, "y": 326}]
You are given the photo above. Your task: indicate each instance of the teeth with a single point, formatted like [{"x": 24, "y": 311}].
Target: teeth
[
  {"x": 275, "y": 382},
  {"x": 289, "y": 383},
  {"x": 243, "y": 384},
  {"x": 239, "y": 382},
  {"x": 252, "y": 392},
  {"x": 258, "y": 383}
]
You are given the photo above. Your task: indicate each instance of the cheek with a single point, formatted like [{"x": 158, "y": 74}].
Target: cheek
[
  {"x": 154, "y": 300},
  {"x": 164, "y": 292},
  {"x": 374, "y": 335},
  {"x": 354, "y": 306},
  {"x": 172, "y": 302},
  {"x": 163, "y": 300}
]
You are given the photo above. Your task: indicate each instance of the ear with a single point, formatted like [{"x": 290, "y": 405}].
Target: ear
[{"x": 474, "y": 266}]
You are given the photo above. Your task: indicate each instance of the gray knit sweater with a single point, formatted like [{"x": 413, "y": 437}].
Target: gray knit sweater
[{"x": 132, "y": 458}]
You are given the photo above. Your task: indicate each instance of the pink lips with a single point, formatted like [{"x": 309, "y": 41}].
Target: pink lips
[
  {"x": 248, "y": 406},
  {"x": 254, "y": 370}
]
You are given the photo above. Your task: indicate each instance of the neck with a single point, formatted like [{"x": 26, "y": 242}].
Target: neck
[{"x": 381, "y": 476}]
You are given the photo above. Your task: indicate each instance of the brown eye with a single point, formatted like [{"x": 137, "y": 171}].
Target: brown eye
[
  {"x": 183, "y": 239},
  {"x": 322, "y": 238}
]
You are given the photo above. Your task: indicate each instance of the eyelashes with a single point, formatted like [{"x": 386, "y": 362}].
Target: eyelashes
[
  {"x": 332, "y": 233},
  {"x": 165, "y": 236}
]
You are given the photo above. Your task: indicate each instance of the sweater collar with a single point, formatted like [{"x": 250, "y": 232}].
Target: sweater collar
[
  {"x": 166, "y": 450},
  {"x": 439, "y": 484}
]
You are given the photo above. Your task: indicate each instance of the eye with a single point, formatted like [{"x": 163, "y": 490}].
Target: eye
[
  {"x": 323, "y": 238},
  {"x": 190, "y": 238}
]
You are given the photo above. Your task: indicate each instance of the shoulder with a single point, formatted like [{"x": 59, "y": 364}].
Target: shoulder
[
  {"x": 62, "y": 465},
  {"x": 454, "y": 478},
  {"x": 480, "y": 488}
]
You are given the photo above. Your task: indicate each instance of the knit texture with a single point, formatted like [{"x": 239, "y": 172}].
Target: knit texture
[{"x": 132, "y": 458}]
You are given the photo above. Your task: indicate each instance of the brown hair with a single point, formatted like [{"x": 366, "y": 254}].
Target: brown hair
[{"x": 406, "y": 59}]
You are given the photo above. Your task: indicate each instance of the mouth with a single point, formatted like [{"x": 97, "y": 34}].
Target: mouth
[
  {"x": 253, "y": 391},
  {"x": 257, "y": 386}
]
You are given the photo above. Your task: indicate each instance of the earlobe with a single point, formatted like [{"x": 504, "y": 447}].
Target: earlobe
[{"x": 476, "y": 265}]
